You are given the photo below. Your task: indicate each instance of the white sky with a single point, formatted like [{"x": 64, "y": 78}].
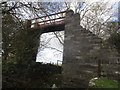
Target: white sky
[{"x": 47, "y": 54}]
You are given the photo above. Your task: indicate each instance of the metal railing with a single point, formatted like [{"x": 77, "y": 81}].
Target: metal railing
[{"x": 51, "y": 19}]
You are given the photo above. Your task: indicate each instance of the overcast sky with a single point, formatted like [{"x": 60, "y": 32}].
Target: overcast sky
[{"x": 47, "y": 54}]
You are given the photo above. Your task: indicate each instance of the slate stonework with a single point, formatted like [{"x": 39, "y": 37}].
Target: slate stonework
[{"x": 82, "y": 50}]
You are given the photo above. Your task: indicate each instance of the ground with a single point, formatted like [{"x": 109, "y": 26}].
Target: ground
[{"x": 104, "y": 83}]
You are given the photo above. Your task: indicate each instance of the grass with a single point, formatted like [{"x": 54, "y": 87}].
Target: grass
[{"x": 105, "y": 83}]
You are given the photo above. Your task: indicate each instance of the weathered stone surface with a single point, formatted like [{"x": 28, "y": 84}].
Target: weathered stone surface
[
  {"x": 78, "y": 67},
  {"x": 82, "y": 50}
]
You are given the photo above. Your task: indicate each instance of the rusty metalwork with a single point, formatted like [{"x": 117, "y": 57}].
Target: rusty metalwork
[{"x": 47, "y": 20}]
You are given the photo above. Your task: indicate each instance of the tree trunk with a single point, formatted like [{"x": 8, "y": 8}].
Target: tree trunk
[{"x": 99, "y": 68}]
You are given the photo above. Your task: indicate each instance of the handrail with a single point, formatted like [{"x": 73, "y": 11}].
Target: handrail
[
  {"x": 46, "y": 24},
  {"x": 47, "y": 20},
  {"x": 48, "y": 15}
]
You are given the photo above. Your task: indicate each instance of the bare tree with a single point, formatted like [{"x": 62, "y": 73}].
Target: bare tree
[{"x": 95, "y": 17}]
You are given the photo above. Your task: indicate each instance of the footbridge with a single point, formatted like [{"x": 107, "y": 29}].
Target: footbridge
[{"x": 48, "y": 23}]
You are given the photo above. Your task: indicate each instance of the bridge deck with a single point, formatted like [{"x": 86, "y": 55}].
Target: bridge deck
[
  {"x": 51, "y": 28},
  {"x": 49, "y": 23}
]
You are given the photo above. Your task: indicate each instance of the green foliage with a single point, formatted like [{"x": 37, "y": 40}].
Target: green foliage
[
  {"x": 105, "y": 83},
  {"x": 115, "y": 41},
  {"x": 34, "y": 75},
  {"x": 19, "y": 67}
]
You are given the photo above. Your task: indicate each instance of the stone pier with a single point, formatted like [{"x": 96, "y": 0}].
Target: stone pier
[{"x": 78, "y": 60}]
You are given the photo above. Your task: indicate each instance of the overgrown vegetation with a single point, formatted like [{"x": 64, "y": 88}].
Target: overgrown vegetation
[
  {"x": 34, "y": 75},
  {"x": 18, "y": 61}
]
